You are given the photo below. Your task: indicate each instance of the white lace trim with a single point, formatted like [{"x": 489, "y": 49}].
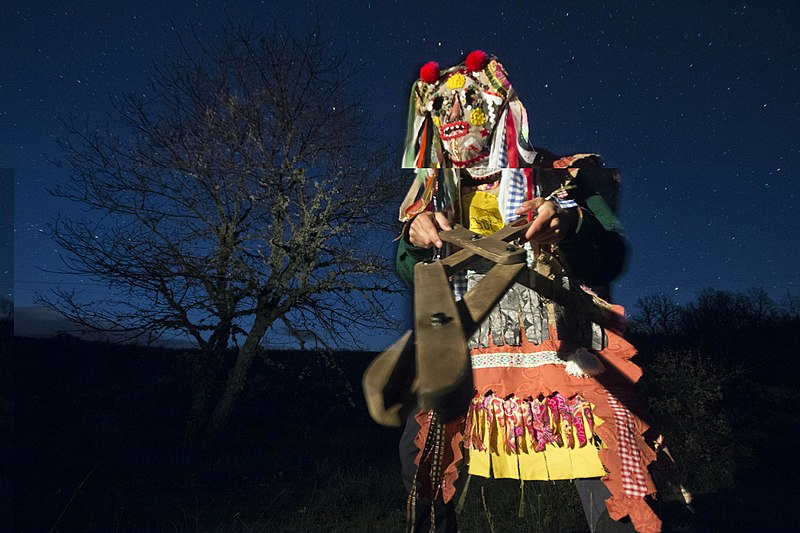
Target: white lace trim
[{"x": 518, "y": 360}]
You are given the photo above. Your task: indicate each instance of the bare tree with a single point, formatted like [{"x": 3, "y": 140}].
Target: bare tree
[
  {"x": 717, "y": 311},
  {"x": 658, "y": 315},
  {"x": 240, "y": 194},
  {"x": 763, "y": 309},
  {"x": 790, "y": 305}
]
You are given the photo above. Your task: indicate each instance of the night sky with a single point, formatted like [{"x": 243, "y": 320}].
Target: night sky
[{"x": 695, "y": 102}]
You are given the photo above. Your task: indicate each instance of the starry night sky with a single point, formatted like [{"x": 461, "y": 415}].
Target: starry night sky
[{"x": 696, "y": 104}]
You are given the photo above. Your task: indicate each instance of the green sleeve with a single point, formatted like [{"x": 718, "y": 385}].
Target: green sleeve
[
  {"x": 409, "y": 255},
  {"x": 597, "y": 251}
]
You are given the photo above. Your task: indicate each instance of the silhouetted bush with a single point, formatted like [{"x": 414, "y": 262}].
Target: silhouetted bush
[{"x": 684, "y": 391}]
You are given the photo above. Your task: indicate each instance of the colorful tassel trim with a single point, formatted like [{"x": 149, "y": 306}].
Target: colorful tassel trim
[{"x": 552, "y": 420}]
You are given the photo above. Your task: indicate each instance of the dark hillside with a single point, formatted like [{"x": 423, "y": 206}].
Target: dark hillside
[
  {"x": 99, "y": 440},
  {"x": 100, "y": 443}
]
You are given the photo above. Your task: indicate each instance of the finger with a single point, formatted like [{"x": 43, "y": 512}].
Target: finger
[
  {"x": 429, "y": 230},
  {"x": 535, "y": 230},
  {"x": 546, "y": 208},
  {"x": 553, "y": 232},
  {"x": 422, "y": 239},
  {"x": 549, "y": 227},
  {"x": 434, "y": 238},
  {"x": 545, "y": 218},
  {"x": 524, "y": 208},
  {"x": 529, "y": 205},
  {"x": 442, "y": 222},
  {"x": 415, "y": 238},
  {"x": 422, "y": 232}
]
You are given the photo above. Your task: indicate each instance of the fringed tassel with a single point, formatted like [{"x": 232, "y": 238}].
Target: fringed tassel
[
  {"x": 437, "y": 429},
  {"x": 424, "y": 157},
  {"x": 411, "y": 507},
  {"x": 432, "y": 458}
]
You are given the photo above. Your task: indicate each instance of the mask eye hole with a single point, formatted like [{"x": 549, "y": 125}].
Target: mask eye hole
[
  {"x": 438, "y": 102},
  {"x": 472, "y": 97}
]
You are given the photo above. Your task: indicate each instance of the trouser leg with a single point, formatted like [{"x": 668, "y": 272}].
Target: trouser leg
[
  {"x": 445, "y": 516},
  {"x": 408, "y": 450},
  {"x": 593, "y": 494}
]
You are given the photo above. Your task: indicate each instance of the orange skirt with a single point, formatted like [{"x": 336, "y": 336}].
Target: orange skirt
[{"x": 532, "y": 420}]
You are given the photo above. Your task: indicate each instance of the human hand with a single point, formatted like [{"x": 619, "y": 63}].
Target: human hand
[
  {"x": 425, "y": 228},
  {"x": 551, "y": 223}
]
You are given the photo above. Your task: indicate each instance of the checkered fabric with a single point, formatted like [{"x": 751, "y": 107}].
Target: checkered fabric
[
  {"x": 565, "y": 203},
  {"x": 459, "y": 285},
  {"x": 517, "y": 189},
  {"x": 632, "y": 477}
]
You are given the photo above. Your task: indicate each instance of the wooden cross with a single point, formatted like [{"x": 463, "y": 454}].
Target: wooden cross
[
  {"x": 430, "y": 367},
  {"x": 433, "y": 369}
]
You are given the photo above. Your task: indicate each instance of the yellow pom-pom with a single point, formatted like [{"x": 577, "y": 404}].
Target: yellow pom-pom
[
  {"x": 477, "y": 117},
  {"x": 456, "y": 81}
]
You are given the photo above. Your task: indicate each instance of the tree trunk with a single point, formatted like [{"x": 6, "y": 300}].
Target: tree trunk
[
  {"x": 206, "y": 370},
  {"x": 237, "y": 376}
]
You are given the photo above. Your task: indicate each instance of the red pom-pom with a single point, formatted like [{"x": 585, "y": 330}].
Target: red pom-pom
[
  {"x": 476, "y": 60},
  {"x": 429, "y": 73}
]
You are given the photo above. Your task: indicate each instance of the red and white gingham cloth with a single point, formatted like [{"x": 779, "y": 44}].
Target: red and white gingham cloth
[{"x": 632, "y": 477}]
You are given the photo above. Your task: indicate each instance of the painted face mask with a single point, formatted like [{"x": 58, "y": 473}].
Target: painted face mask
[
  {"x": 466, "y": 114},
  {"x": 458, "y": 110}
]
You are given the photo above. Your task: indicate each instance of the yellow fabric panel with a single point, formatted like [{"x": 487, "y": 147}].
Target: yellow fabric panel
[
  {"x": 504, "y": 466},
  {"x": 586, "y": 462},
  {"x": 532, "y": 465},
  {"x": 552, "y": 463},
  {"x": 479, "y": 463},
  {"x": 482, "y": 212},
  {"x": 559, "y": 464}
]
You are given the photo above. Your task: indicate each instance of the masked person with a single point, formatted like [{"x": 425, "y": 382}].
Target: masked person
[{"x": 552, "y": 388}]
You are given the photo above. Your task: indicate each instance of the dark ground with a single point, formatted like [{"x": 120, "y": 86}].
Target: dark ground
[{"x": 99, "y": 446}]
